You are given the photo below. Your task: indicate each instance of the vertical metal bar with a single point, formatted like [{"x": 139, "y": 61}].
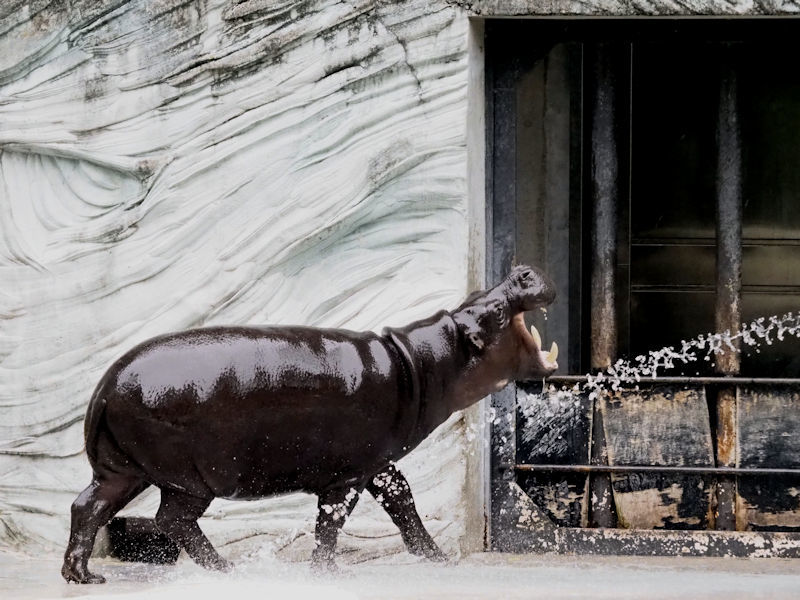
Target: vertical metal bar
[
  {"x": 501, "y": 250},
  {"x": 604, "y": 164},
  {"x": 577, "y": 314},
  {"x": 481, "y": 276},
  {"x": 601, "y": 506},
  {"x": 726, "y": 457},
  {"x": 604, "y": 178},
  {"x": 729, "y": 281},
  {"x": 504, "y": 192},
  {"x": 503, "y": 462},
  {"x": 624, "y": 191},
  {"x": 729, "y": 218}
]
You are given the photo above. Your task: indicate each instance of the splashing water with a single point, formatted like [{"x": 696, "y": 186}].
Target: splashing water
[{"x": 764, "y": 330}]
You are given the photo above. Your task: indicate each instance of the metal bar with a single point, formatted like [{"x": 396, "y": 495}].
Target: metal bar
[
  {"x": 501, "y": 249},
  {"x": 504, "y": 202},
  {"x": 724, "y": 471},
  {"x": 567, "y": 379},
  {"x": 604, "y": 165},
  {"x": 726, "y": 456},
  {"x": 604, "y": 189},
  {"x": 729, "y": 217},
  {"x": 601, "y": 507},
  {"x": 728, "y": 310},
  {"x": 633, "y": 542},
  {"x": 708, "y": 242},
  {"x": 788, "y": 290},
  {"x": 578, "y": 216}
]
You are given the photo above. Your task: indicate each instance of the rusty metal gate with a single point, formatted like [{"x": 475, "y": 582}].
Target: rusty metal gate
[{"x": 648, "y": 251}]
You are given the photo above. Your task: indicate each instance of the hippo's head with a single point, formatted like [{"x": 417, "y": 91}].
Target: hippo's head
[{"x": 493, "y": 324}]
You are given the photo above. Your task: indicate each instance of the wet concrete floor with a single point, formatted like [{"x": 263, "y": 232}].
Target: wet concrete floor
[{"x": 476, "y": 576}]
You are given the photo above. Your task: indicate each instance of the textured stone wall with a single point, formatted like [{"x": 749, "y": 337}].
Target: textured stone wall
[{"x": 173, "y": 164}]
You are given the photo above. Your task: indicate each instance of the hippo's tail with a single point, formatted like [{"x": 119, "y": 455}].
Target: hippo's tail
[{"x": 93, "y": 422}]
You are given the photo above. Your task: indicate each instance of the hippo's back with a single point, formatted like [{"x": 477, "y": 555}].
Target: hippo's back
[{"x": 249, "y": 411}]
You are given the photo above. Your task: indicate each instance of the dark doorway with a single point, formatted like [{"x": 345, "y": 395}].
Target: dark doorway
[
  {"x": 661, "y": 81},
  {"x": 652, "y": 167}
]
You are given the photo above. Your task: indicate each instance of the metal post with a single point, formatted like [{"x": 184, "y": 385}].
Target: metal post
[
  {"x": 729, "y": 283},
  {"x": 604, "y": 178},
  {"x": 501, "y": 249},
  {"x": 604, "y": 163}
]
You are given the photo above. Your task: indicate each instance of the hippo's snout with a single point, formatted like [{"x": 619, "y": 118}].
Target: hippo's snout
[
  {"x": 535, "y": 288},
  {"x": 529, "y": 288}
]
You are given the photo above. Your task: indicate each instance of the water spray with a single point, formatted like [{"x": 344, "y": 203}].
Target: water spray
[{"x": 705, "y": 347}]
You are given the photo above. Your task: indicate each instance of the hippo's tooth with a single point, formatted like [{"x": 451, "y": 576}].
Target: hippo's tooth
[
  {"x": 553, "y": 354},
  {"x": 536, "y": 337}
]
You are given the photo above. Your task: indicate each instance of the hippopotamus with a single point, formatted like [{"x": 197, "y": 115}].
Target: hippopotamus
[{"x": 247, "y": 412}]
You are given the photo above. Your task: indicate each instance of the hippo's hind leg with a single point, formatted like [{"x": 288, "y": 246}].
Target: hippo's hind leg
[
  {"x": 391, "y": 490},
  {"x": 93, "y": 508},
  {"x": 334, "y": 506},
  {"x": 177, "y": 518}
]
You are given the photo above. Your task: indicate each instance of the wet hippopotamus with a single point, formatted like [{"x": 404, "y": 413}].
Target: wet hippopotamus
[{"x": 248, "y": 412}]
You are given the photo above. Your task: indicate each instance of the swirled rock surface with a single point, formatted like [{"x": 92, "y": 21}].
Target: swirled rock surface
[{"x": 181, "y": 163}]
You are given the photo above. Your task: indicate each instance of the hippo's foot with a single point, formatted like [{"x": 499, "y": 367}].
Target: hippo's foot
[
  {"x": 209, "y": 559},
  {"x": 78, "y": 573},
  {"x": 434, "y": 554},
  {"x": 423, "y": 545},
  {"x": 217, "y": 563},
  {"x": 325, "y": 568}
]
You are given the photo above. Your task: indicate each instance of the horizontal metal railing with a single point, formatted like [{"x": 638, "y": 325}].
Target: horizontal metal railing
[
  {"x": 572, "y": 379},
  {"x": 677, "y": 470}
]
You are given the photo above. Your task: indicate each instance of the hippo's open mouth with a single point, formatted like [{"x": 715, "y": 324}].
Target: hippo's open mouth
[{"x": 533, "y": 344}]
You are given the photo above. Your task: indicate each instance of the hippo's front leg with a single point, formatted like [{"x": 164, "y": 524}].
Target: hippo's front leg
[
  {"x": 334, "y": 506},
  {"x": 391, "y": 490}
]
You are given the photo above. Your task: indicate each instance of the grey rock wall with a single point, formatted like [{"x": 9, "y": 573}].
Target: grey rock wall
[{"x": 180, "y": 163}]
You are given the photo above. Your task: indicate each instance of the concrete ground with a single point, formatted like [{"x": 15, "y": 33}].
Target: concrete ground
[{"x": 476, "y": 576}]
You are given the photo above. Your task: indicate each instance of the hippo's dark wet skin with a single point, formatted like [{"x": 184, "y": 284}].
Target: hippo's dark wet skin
[{"x": 249, "y": 412}]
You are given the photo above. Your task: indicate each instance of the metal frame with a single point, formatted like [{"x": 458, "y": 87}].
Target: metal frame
[{"x": 516, "y": 522}]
